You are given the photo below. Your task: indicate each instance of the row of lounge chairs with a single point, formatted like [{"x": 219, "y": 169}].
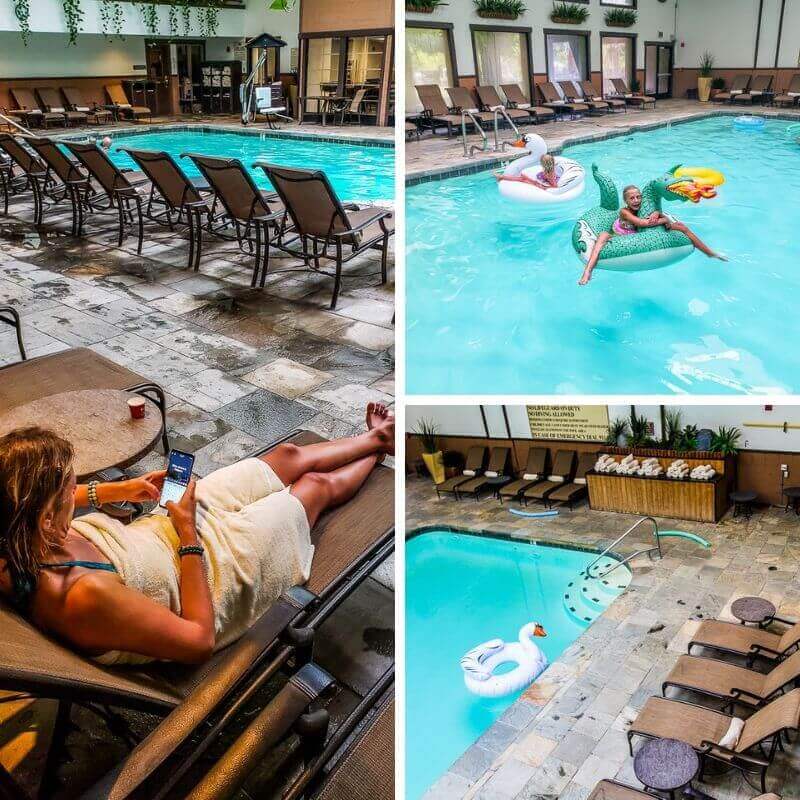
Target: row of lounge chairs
[
  {"x": 746, "y": 89},
  {"x": 303, "y": 218},
  {"x": 564, "y": 482},
  {"x": 570, "y": 101},
  {"x": 69, "y": 108}
]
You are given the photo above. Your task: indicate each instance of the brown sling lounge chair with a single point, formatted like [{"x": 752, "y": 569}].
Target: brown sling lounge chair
[
  {"x": 613, "y": 790},
  {"x": 52, "y": 102},
  {"x": 536, "y": 468},
  {"x": 334, "y": 232},
  {"x": 632, "y": 98},
  {"x": 553, "y": 100},
  {"x": 473, "y": 465},
  {"x": 29, "y": 111},
  {"x": 516, "y": 99},
  {"x": 350, "y": 541},
  {"x": 760, "y": 90},
  {"x": 729, "y": 637},
  {"x": 791, "y": 95},
  {"x": 436, "y": 113},
  {"x": 120, "y": 105},
  {"x": 569, "y": 493},
  {"x": 94, "y": 113},
  {"x": 490, "y": 100},
  {"x": 702, "y": 728},
  {"x": 736, "y": 685},
  {"x": 498, "y": 465},
  {"x": 463, "y": 100},
  {"x": 590, "y": 93},
  {"x": 572, "y": 94},
  {"x": 739, "y": 86},
  {"x": 563, "y": 468}
]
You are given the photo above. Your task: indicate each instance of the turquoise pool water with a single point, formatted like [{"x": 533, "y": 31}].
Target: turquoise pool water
[
  {"x": 358, "y": 173},
  {"x": 462, "y": 590},
  {"x": 493, "y": 304}
]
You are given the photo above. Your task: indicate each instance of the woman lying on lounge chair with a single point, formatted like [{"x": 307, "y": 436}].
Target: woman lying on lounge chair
[{"x": 172, "y": 588}]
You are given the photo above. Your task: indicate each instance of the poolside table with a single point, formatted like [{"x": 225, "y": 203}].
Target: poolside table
[
  {"x": 743, "y": 503},
  {"x": 97, "y": 422},
  {"x": 792, "y": 494},
  {"x": 755, "y": 610},
  {"x": 496, "y": 484},
  {"x": 666, "y": 765}
]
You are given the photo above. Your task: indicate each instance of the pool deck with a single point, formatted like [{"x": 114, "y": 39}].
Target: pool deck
[
  {"x": 436, "y": 155},
  {"x": 567, "y": 731}
]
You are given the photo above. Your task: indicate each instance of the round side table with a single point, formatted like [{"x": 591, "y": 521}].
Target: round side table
[
  {"x": 743, "y": 503},
  {"x": 666, "y": 765},
  {"x": 496, "y": 484},
  {"x": 792, "y": 494},
  {"x": 755, "y": 610}
]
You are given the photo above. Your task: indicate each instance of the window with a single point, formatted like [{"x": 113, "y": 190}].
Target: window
[
  {"x": 623, "y": 3},
  {"x": 617, "y": 60},
  {"x": 322, "y": 74},
  {"x": 567, "y": 57},
  {"x": 365, "y": 60},
  {"x": 428, "y": 60},
  {"x": 502, "y": 57}
]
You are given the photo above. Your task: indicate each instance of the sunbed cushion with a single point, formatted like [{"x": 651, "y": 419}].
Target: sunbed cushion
[
  {"x": 490, "y": 473},
  {"x": 731, "y": 737},
  {"x": 470, "y": 473},
  {"x": 556, "y": 478}
]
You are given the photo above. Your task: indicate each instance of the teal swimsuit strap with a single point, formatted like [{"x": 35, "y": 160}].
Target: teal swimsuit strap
[{"x": 85, "y": 564}]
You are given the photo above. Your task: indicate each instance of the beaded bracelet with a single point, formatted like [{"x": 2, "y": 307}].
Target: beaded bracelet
[
  {"x": 191, "y": 550},
  {"x": 92, "y": 492}
]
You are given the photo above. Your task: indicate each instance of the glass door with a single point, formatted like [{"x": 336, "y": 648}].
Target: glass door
[
  {"x": 502, "y": 57},
  {"x": 617, "y": 61},
  {"x": 658, "y": 70},
  {"x": 428, "y": 61},
  {"x": 190, "y": 55},
  {"x": 567, "y": 57}
]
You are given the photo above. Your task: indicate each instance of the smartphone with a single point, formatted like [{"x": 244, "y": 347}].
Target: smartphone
[{"x": 179, "y": 473}]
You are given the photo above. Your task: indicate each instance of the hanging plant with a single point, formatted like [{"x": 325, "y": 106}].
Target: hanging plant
[
  {"x": 172, "y": 17},
  {"x": 118, "y": 20},
  {"x": 150, "y": 17},
  {"x": 105, "y": 18},
  {"x": 211, "y": 14},
  {"x": 186, "y": 14},
  {"x": 22, "y": 11},
  {"x": 73, "y": 15},
  {"x": 285, "y": 5}
]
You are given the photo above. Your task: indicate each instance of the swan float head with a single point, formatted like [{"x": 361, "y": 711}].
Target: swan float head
[{"x": 533, "y": 143}]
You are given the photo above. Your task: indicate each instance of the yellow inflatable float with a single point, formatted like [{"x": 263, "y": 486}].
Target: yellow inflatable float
[{"x": 705, "y": 175}]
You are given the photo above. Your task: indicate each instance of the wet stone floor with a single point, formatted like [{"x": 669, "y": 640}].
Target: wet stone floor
[{"x": 568, "y": 730}]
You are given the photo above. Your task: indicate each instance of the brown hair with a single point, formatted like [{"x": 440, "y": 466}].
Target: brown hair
[
  {"x": 628, "y": 189},
  {"x": 35, "y": 465},
  {"x": 548, "y": 162}
]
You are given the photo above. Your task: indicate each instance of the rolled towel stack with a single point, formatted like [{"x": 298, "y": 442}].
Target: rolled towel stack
[
  {"x": 651, "y": 468},
  {"x": 605, "y": 463},
  {"x": 628, "y": 466},
  {"x": 705, "y": 472},
  {"x": 678, "y": 469}
]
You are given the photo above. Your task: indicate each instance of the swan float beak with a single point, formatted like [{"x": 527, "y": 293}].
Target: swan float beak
[
  {"x": 519, "y": 143},
  {"x": 539, "y": 631}
]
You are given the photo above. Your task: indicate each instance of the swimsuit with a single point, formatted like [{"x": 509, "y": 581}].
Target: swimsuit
[{"x": 622, "y": 228}]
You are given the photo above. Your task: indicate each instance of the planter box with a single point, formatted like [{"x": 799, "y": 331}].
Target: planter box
[
  {"x": 565, "y": 21},
  {"x": 424, "y": 10},
  {"x": 659, "y": 452},
  {"x": 497, "y": 15},
  {"x": 620, "y": 24}
]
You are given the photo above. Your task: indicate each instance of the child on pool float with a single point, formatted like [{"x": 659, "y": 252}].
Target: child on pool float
[
  {"x": 628, "y": 223},
  {"x": 545, "y": 179}
]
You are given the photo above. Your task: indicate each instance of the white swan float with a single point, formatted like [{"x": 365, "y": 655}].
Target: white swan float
[
  {"x": 512, "y": 184},
  {"x": 480, "y": 663}
]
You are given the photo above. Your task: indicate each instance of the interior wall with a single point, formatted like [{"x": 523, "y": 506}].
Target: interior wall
[{"x": 318, "y": 16}]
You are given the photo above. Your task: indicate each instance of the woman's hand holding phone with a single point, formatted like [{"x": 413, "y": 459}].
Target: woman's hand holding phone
[{"x": 182, "y": 515}]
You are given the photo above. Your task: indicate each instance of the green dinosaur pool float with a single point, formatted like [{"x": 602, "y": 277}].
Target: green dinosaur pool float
[{"x": 649, "y": 248}]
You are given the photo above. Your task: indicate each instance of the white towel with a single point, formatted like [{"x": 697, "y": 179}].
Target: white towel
[
  {"x": 257, "y": 544},
  {"x": 580, "y": 481},
  {"x": 737, "y": 91},
  {"x": 731, "y": 738},
  {"x": 556, "y": 478},
  {"x": 490, "y": 473},
  {"x": 470, "y": 473},
  {"x": 530, "y": 476}
]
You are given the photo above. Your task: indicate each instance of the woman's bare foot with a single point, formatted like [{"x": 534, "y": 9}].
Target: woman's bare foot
[
  {"x": 376, "y": 414},
  {"x": 382, "y": 422},
  {"x": 586, "y": 277},
  {"x": 720, "y": 257}
]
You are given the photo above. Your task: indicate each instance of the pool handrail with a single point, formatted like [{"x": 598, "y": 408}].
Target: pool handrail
[{"x": 648, "y": 550}]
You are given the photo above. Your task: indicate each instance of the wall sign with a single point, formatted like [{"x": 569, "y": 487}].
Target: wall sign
[{"x": 579, "y": 423}]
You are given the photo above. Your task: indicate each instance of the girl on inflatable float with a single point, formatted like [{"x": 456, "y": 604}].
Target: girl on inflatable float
[{"x": 629, "y": 223}]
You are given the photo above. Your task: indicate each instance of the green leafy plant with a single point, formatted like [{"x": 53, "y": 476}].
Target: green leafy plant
[
  {"x": 73, "y": 15},
  {"x": 706, "y": 65},
  {"x": 172, "y": 19},
  {"x": 687, "y": 439},
  {"x": 640, "y": 430},
  {"x": 212, "y": 17},
  {"x": 718, "y": 83},
  {"x": 150, "y": 18},
  {"x": 421, "y": 6},
  {"x": 22, "y": 11},
  {"x": 428, "y": 434},
  {"x": 569, "y": 12},
  {"x": 726, "y": 440},
  {"x": 616, "y": 428},
  {"x": 186, "y": 16},
  {"x": 281, "y": 5},
  {"x": 105, "y": 18},
  {"x": 636, "y": 84},
  {"x": 620, "y": 17},
  {"x": 673, "y": 424},
  {"x": 504, "y": 9}
]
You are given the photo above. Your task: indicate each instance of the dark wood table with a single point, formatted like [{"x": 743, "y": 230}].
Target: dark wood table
[
  {"x": 496, "y": 484},
  {"x": 792, "y": 494},
  {"x": 666, "y": 765},
  {"x": 755, "y": 610},
  {"x": 98, "y": 424},
  {"x": 743, "y": 503}
]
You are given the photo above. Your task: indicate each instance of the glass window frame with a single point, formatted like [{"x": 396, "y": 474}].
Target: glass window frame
[
  {"x": 527, "y": 34},
  {"x": 634, "y": 63},
  {"x": 631, "y": 4},
  {"x": 587, "y": 36}
]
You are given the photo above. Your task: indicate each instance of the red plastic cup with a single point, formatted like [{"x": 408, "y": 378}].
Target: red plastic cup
[{"x": 136, "y": 406}]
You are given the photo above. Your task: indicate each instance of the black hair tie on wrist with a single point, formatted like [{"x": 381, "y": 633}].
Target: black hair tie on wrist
[{"x": 191, "y": 550}]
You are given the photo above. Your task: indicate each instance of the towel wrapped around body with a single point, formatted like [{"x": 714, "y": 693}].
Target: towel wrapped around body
[{"x": 257, "y": 544}]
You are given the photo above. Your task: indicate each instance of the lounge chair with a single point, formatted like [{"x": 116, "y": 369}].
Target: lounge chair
[
  {"x": 473, "y": 465},
  {"x": 631, "y": 98},
  {"x": 436, "y": 113},
  {"x": 51, "y": 100},
  {"x": 563, "y": 468},
  {"x": 334, "y": 232},
  {"x": 499, "y": 460},
  {"x": 516, "y": 99},
  {"x": 742, "y": 640},
  {"x": 736, "y": 685},
  {"x": 569, "y": 493},
  {"x": 490, "y": 100},
  {"x": 411, "y": 130},
  {"x": 120, "y": 106},
  {"x": 12, "y": 179},
  {"x": 75, "y": 184},
  {"x": 349, "y": 541},
  {"x": 10, "y": 316},
  {"x": 94, "y": 113},
  {"x": 614, "y": 103},
  {"x": 703, "y": 729},
  {"x": 739, "y": 86},
  {"x": 254, "y": 218},
  {"x": 174, "y": 198},
  {"x": 613, "y": 790},
  {"x": 760, "y": 90},
  {"x": 553, "y": 100},
  {"x": 790, "y": 96},
  {"x": 571, "y": 92},
  {"x": 534, "y": 472},
  {"x": 121, "y": 188},
  {"x": 356, "y": 108},
  {"x": 30, "y": 113},
  {"x": 463, "y": 100}
]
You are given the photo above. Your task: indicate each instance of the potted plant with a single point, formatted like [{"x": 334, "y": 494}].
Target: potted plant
[
  {"x": 499, "y": 9},
  {"x": 617, "y": 432},
  {"x": 431, "y": 454},
  {"x": 717, "y": 85},
  {"x": 726, "y": 441},
  {"x": 569, "y": 13},
  {"x": 423, "y": 6},
  {"x": 453, "y": 463},
  {"x": 620, "y": 17},
  {"x": 704, "y": 77}
]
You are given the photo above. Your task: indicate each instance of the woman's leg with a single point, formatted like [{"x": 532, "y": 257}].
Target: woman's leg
[
  {"x": 695, "y": 240},
  {"x": 318, "y": 491},
  {"x": 593, "y": 258}
]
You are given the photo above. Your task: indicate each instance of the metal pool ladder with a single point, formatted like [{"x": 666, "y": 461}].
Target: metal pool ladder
[
  {"x": 498, "y": 112},
  {"x": 647, "y": 550},
  {"x": 16, "y": 124}
]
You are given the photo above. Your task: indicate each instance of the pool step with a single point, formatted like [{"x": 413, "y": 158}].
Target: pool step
[{"x": 586, "y": 598}]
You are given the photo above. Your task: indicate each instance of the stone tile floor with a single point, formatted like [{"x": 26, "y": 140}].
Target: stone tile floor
[
  {"x": 433, "y": 154},
  {"x": 567, "y": 731}
]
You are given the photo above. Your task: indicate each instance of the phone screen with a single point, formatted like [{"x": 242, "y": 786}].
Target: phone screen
[{"x": 179, "y": 473}]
